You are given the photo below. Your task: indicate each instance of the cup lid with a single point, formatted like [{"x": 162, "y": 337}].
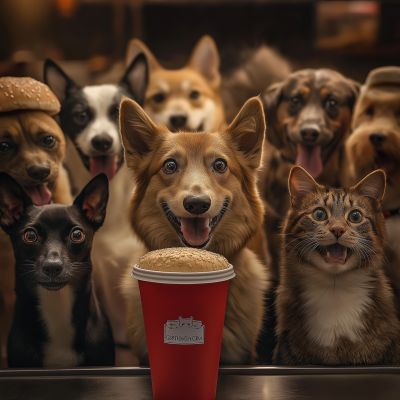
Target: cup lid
[{"x": 186, "y": 278}]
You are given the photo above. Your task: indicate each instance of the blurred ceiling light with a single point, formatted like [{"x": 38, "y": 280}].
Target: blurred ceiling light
[{"x": 67, "y": 8}]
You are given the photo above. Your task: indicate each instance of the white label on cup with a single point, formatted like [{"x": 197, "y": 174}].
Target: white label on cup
[{"x": 184, "y": 331}]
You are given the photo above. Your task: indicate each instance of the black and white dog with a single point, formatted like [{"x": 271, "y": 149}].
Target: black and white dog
[
  {"x": 57, "y": 319},
  {"x": 89, "y": 118},
  {"x": 89, "y": 114}
]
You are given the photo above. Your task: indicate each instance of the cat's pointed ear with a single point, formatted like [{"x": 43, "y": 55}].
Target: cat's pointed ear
[
  {"x": 301, "y": 183},
  {"x": 372, "y": 186},
  {"x": 13, "y": 201}
]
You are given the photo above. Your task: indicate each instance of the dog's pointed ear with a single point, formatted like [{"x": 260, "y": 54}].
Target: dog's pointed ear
[
  {"x": 247, "y": 131},
  {"x": 13, "y": 201},
  {"x": 138, "y": 132},
  {"x": 92, "y": 200},
  {"x": 301, "y": 183},
  {"x": 372, "y": 186},
  {"x": 57, "y": 80},
  {"x": 271, "y": 99},
  {"x": 205, "y": 59},
  {"x": 135, "y": 47},
  {"x": 136, "y": 78}
]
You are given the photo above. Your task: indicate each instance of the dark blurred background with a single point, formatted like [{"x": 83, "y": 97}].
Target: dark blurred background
[{"x": 89, "y": 37}]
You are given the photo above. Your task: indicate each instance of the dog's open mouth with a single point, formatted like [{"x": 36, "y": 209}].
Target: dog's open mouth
[
  {"x": 194, "y": 232},
  {"x": 53, "y": 285},
  {"x": 39, "y": 194},
  {"x": 335, "y": 253},
  {"x": 384, "y": 161},
  {"x": 108, "y": 165}
]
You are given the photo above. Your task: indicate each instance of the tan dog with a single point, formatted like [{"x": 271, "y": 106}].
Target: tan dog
[
  {"x": 308, "y": 118},
  {"x": 375, "y": 143},
  {"x": 32, "y": 147},
  {"x": 188, "y": 98},
  {"x": 199, "y": 190}
]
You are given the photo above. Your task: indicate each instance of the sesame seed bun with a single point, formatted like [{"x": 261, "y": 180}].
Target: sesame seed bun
[
  {"x": 27, "y": 94},
  {"x": 383, "y": 76},
  {"x": 183, "y": 259}
]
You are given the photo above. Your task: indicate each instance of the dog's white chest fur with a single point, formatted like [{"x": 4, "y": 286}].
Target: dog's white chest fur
[
  {"x": 56, "y": 311},
  {"x": 334, "y": 305}
]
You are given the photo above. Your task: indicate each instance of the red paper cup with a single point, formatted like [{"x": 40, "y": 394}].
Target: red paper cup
[{"x": 184, "y": 318}]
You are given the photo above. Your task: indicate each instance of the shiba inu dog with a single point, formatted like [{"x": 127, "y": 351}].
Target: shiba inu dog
[
  {"x": 89, "y": 118},
  {"x": 308, "y": 120},
  {"x": 375, "y": 143},
  {"x": 186, "y": 99},
  {"x": 32, "y": 148},
  {"x": 199, "y": 190},
  {"x": 57, "y": 321}
]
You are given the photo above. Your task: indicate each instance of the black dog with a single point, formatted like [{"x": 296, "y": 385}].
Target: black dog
[{"x": 57, "y": 320}]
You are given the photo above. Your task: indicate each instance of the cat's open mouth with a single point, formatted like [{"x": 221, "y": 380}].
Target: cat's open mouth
[
  {"x": 194, "y": 232},
  {"x": 335, "y": 253}
]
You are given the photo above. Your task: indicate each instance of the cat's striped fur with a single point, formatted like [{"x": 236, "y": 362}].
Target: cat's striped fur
[{"x": 334, "y": 304}]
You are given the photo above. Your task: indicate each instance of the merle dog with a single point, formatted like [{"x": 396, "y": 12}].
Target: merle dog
[{"x": 57, "y": 321}]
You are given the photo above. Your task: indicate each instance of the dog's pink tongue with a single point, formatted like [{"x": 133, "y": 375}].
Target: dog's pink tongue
[
  {"x": 103, "y": 164},
  {"x": 336, "y": 254},
  {"x": 195, "y": 230},
  {"x": 39, "y": 194},
  {"x": 309, "y": 157}
]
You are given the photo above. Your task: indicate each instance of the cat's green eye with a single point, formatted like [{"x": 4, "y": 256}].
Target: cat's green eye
[
  {"x": 355, "y": 217},
  {"x": 319, "y": 214}
]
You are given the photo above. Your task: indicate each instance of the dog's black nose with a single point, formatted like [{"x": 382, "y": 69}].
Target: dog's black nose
[
  {"x": 377, "y": 138},
  {"x": 309, "y": 134},
  {"x": 177, "y": 121},
  {"x": 102, "y": 142},
  {"x": 39, "y": 171},
  {"x": 197, "y": 204},
  {"x": 52, "y": 269}
]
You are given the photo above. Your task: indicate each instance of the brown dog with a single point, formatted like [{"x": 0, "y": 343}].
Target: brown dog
[
  {"x": 375, "y": 143},
  {"x": 188, "y": 98},
  {"x": 32, "y": 147},
  {"x": 199, "y": 190},
  {"x": 308, "y": 120}
]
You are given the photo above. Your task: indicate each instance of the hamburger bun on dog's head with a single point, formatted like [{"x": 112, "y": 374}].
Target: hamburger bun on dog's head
[{"x": 27, "y": 94}]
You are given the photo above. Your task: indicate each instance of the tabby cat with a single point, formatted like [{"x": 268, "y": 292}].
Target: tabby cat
[{"x": 334, "y": 304}]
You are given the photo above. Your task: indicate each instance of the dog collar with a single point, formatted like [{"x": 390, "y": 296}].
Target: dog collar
[{"x": 390, "y": 213}]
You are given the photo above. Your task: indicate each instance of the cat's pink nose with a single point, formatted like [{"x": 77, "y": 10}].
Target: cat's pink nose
[{"x": 338, "y": 230}]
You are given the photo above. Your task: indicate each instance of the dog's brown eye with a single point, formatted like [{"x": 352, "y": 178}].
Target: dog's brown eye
[
  {"x": 159, "y": 98},
  {"x": 30, "y": 236},
  {"x": 220, "y": 165},
  {"x": 296, "y": 99},
  {"x": 49, "y": 141},
  {"x": 331, "y": 103},
  {"x": 194, "y": 95},
  {"x": 319, "y": 214},
  {"x": 355, "y": 217},
  {"x": 77, "y": 236},
  {"x": 4, "y": 147},
  {"x": 369, "y": 111},
  {"x": 170, "y": 166},
  {"x": 81, "y": 118}
]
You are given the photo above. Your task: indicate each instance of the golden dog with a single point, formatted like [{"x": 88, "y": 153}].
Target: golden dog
[
  {"x": 199, "y": 190},
  {"x": 375, "y": 143}
]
